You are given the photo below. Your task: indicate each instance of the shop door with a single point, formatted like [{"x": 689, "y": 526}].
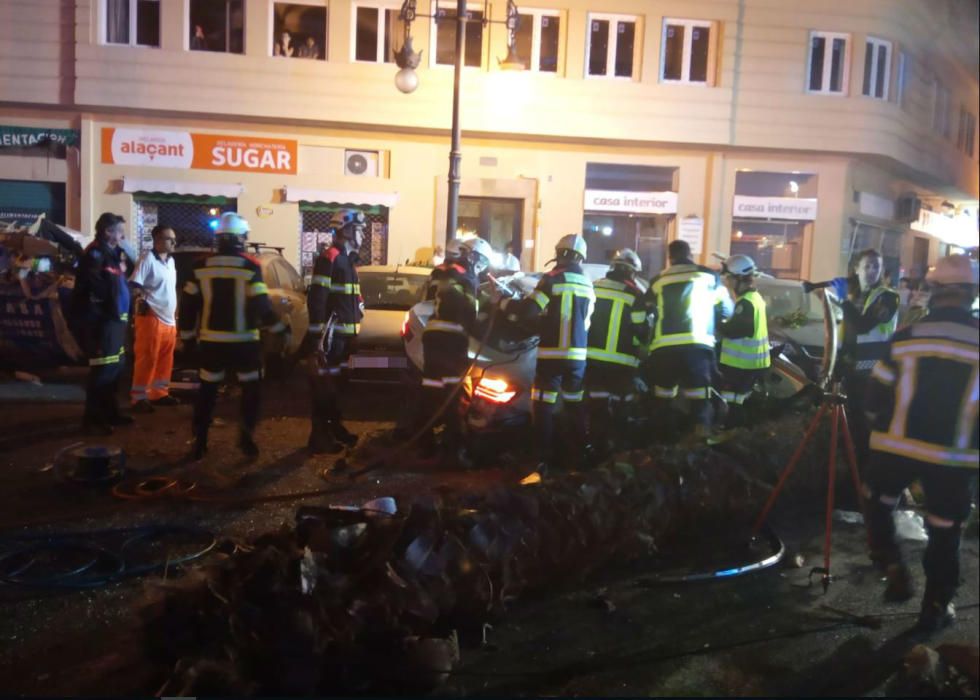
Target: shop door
[
  {"x": 920, "y": 258},
  {"x": 193, "y": 219},
  {"x": 647, "y": 235},
  {"x": 497, "y": 221}
]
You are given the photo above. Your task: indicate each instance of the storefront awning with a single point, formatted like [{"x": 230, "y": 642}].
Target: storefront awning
[
  {"x": 374, "y": 199},
  {"x": 197, "y": 189}
]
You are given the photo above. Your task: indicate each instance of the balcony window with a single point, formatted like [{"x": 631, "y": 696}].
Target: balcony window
[
  {"x": 538, "y": 38},
  {"x": 940, "y": 111},
  {"x": 828, "y": 63},
  {"x": 443, "y": 49},
  {"x": 877, "y": 68},
  {"x": 375, "y": 27},
  {"x": 967, "y": 132},
  {"x": 132, "y": 22},
  {"x": 611, "y": 46},
  {"x": 217, "y": 25},
  {"x": 299, "y": 30},
  {"x": 685, "y": 51}
]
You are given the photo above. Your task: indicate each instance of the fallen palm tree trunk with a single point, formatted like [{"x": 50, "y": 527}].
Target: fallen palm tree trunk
[{"x": 357, "y": 600}]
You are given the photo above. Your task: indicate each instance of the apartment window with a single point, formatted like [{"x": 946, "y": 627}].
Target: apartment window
[
  {"x": 966, "y": 133},
  {"x": 877, "y": 68},
  {"x": 829, "y": 58},
  {"x": 537, "y": 38},
  {"x": 299, "y": 30},
  {"x": 132, "y": 22},
  {"x": 611, "y": 47},
  {"x": 443, "y": 48},
  {"x": 375, "y": 26},
  {"x": 685, "y": 51},
  {"x": 940, "y": 110},
  {"x": 902, "y": 79},
  {"x": 217, "y": 25}
]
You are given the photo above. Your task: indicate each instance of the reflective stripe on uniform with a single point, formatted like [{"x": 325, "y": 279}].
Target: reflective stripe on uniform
[
  {"x": 433, "y": 383},
  {"x": 540, "y": 298},
  {"x": 347, "y": 328},
  {"x": 925, "y": 451},
  {"x": 752, "y": 352},
  {"x": 257, "y": 289},
  {"x": 348, "y": 288},
  {"x": 544, "y": 396},
  {"x": 638, "y": 316},
  {"x": 599, "y": 394},
  {"x": 229, "y": 336},
  {"x": 447, "y": 326},
  {"x": 883, "y": 373},
  {"x": 700, "y": 393},
  {"x": 662, "y": 392},
  {"x": 253, "y": 376},
  {"x": 562, "y": 353},
  {"x": 618, "y": 358},
  {"x": 213, "y": 377},
  {"x": 316, "y": 327},
  {"x": 321, "y": 280},
  {"x": 105, "y": 360},
  {"x": 572, "y": 396}
]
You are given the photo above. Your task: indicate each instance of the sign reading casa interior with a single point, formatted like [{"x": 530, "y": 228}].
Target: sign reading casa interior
[
  {"x": 788, "y": 208},
  {"x": 183, "y": 150},
  {"x": 631, "y": 202}
]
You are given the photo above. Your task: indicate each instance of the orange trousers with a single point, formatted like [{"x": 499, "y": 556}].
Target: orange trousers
[{"x": 154, "y": 358}]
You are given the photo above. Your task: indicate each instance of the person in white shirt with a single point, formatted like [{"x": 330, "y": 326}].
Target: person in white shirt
[
  {"x": 155, "y": 283},
  {"x": 509, "y": 261}
]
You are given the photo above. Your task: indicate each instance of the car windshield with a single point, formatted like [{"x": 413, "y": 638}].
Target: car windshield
[
  {"x": 784, "y": 299},
  {"x": 391, "y": 290}
]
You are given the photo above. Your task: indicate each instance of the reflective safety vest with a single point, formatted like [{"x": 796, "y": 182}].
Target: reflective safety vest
[
  {"x": 618, "y": 323},
  {"x": 751, "y": 352},
  {"x": 685, "y": 298},
  {"x": 923, "y": 393},
  {"x": 872, "y": 345},
  {"x": 566, "y": 300},
  {"x": 335, "y": 291},
  {"x": 226, "y": 301}
]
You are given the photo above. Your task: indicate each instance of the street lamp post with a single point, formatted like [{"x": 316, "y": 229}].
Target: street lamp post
[{"x": 407, "y": 81}]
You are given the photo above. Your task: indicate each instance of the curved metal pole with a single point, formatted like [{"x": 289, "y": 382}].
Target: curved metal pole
[{"x": 455, "y": 155}]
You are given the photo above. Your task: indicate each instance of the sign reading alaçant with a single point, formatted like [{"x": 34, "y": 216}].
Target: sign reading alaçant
[
  {"x": 34, "y": 137},
  {"x": 182, "y": 149},
  {"x": 631, "y": 202},
  {"x": 784, "y": 208}
]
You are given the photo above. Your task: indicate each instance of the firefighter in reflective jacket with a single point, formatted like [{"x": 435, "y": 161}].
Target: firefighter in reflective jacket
[
  {"x": 100, "y": 312},
  {"x": 744, "y": 353},
  {"x": 870, "y": 319},
  {"x": 618, "y": 335},
  {"x": 222, "y": 306},
  {"x": 688, "y": 300},
  {"x": 336, "y": 309},
  {"x": 446, "y": 340},
  {"x": 923, "y": 403},
  {"x": 562, "y": 303}
]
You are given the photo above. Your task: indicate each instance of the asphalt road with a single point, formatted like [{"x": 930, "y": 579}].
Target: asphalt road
[{"x": 613, "y": 634}]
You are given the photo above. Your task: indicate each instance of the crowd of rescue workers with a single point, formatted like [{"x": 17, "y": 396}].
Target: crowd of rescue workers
[{"x": 692, "y": 336}]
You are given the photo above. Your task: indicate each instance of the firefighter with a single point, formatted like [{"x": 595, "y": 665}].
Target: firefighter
[
  {"x": 562, "y": 303},
  {"x": 454, "y": 251},
  {"x": 445, "y": 340},
  {"x": 618, "y": 336},
  {"x": 870, "y": 311},
  {"x": 100, "y": 312},
  {"x": 745, "y": 338},
  {"x": 222, "y": 306},
  {"x": 922, "y": 400},
  {"x": 336, "y": 309},
  {"x": 688, "y": 300}
]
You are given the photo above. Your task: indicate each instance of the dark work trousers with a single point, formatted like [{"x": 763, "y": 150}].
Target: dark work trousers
[
  {"x": 328, "y": 382},
  {"x": 687, "y": 370},
  {"x": 445, "y": 361},
  {"x": 737, "y": 384},
  {"x": 218, "y": 363},
  {"x": 610, "y": 390},
  {"x": 554, "y": 379},
  {"x": 105, "y": 346},
  {"x": 856, "y": 387},
  {"x": 948, "y": 494}
]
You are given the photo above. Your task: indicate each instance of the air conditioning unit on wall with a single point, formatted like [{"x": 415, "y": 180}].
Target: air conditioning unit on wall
[{"x": 362, "y": 163}]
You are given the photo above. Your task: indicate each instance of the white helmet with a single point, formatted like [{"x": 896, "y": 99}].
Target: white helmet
[
  {"x": 954, "y": 269},
  {"x": 232, "y": 224},
  {"x": 741, "y": 266},
  {"x": 627, "y": 258},
  {"x": 347, "y": 218},
  {"x": 454, "y": 249},
  {"x": 574, "y": 243},
  {"x": 478, "y": 246}
]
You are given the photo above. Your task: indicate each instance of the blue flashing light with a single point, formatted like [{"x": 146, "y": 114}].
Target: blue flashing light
[{"x": 213, "y": 224}]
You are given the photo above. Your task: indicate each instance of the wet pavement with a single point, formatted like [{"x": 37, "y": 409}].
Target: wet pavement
[{"x": 615, "y": 633}]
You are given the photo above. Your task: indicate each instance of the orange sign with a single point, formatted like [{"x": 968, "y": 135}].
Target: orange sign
[{"x": 182, "y": 149}]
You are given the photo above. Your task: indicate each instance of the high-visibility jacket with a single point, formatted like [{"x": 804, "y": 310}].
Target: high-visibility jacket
[
  {"x": 868, "y": 329},
  {"x": 686, "y": 299},
  {"x": 335, "y": 291},
  {"x": 619, "y": 326},
  {"x": 923, "y": 394},
  {"x": 563, "y": 303},
  {"x": 453, "y": 291},
  {"x": 225, "y": 300},
  {"x": 745, "y": 337}
]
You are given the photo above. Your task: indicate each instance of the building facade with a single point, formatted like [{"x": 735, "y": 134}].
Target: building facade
[{"x": 798, "y": 133}]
